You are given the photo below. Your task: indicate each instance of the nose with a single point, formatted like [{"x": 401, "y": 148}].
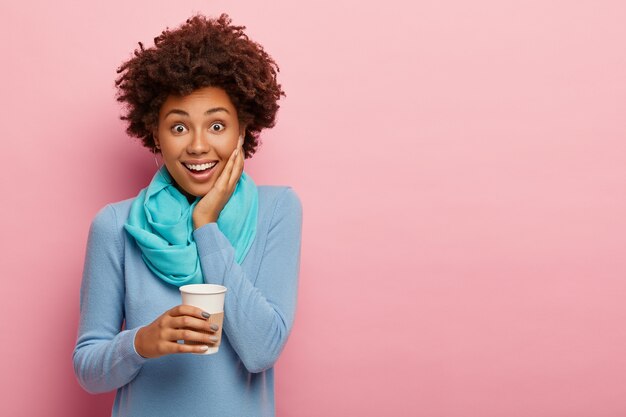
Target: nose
[{"x": 199, "y": 143}]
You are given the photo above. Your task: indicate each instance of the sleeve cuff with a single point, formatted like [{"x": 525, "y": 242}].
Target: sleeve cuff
[
  {"x": 210, "y": 239},
  {"x": 129, "y": 347},
  {"x": 215, "y": 253}
]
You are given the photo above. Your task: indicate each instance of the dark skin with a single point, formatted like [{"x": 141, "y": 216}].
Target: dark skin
[
  {"x": 182, "y": 322},
  {"x": 196, "y": 135}
]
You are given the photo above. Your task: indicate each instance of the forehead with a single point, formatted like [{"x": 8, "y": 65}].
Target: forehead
[{"x": 199, "y": 101}]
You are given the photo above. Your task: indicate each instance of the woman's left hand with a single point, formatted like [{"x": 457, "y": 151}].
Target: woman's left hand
[{"x": 210, "y": 206}]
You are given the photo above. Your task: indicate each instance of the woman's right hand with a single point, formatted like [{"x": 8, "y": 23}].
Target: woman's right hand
[{"x": 182, "y": 322}]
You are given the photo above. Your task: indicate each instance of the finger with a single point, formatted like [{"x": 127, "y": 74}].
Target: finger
[
  {"x": 187, "y": 348},
  {"x": 187, "y": 310},
  {"x": 237, "y": 170},
  {"x": 189, "y": 335},
  {"x": 189, "y": 322},
  {"x": 228, "y": 169}
]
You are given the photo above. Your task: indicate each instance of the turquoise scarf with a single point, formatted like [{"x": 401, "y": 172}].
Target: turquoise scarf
[{"x": 160, "y": 221}]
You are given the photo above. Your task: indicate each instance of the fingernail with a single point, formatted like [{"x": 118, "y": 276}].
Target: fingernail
[
  {"x": 215, "y": 327},
  {"x": 205, "y": 315},
  {"x": 204, "y": 348},
  {"x": 236, "y": 151},
  {"x": 213, "y": 339}
]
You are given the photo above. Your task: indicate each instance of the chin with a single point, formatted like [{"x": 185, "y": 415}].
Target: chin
[
  {"x": 193, "y": 191},
  {"x": 199, "y": 192}
]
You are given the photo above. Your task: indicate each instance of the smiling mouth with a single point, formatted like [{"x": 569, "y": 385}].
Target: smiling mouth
[{"x": 199, "y": 168}]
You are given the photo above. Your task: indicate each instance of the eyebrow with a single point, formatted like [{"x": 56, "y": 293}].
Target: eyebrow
[{"x": 208, "y": 112}]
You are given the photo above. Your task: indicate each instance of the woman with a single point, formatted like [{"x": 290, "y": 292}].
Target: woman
[{"x": 199, "y": 97}]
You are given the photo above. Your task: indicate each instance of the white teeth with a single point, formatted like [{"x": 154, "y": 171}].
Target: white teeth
[{"x": 201, "y": 167}]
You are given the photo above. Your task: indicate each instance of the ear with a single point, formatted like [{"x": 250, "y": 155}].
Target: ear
[{"x": 155, "y": 136}]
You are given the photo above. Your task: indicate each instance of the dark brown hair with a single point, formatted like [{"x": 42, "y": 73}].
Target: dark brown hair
[{"x": 200, "y": 53}]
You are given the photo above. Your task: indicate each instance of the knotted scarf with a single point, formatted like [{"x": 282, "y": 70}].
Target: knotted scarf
[{"x": 160, "y": 221}]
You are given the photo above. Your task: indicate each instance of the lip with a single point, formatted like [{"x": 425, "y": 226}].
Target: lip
[{"x": 199, "y": 176}]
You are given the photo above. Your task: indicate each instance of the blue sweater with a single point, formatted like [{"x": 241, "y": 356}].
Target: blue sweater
[{"x": 119, "y": 294}]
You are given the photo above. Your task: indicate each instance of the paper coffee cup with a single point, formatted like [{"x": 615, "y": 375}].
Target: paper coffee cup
[{"x": 210, "y": 298}]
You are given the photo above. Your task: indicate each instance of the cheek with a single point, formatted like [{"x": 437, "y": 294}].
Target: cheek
[
  {"x": 170, "y": 148},
  {"x": 224, "y": 150},
  {"x": 166, "y": 153}
]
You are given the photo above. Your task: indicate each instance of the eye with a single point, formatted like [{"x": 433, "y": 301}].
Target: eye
[
  {"x": 217, "y": 127},
  {"x": 178, "y": 128}
]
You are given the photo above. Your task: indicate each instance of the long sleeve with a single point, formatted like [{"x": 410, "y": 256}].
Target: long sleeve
[
  {"x": 104, "y": 357},
  {"x": 258, "y": 311}
]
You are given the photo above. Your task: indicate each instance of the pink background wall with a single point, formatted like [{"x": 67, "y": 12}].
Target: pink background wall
[{"x": 462, "y": 169}]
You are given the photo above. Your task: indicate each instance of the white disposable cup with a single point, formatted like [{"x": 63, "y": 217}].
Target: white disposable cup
[{"x": 210, "y": 298}]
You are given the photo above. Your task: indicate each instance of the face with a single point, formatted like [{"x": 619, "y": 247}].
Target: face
[{"x": 196, "y": 135}]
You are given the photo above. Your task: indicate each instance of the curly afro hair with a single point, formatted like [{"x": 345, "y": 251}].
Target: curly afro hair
[{"x": 200, "y": 53}]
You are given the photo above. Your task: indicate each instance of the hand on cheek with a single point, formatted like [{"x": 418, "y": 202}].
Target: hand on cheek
[{"x": 210, "y": 206}]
